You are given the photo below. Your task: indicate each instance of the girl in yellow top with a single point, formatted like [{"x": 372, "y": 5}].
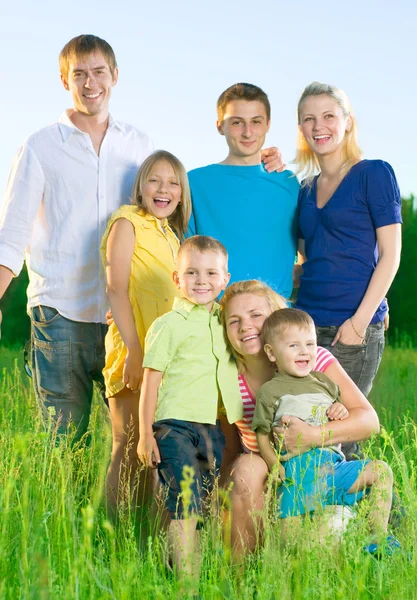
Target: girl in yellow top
[{"x": 139, "y": 249}]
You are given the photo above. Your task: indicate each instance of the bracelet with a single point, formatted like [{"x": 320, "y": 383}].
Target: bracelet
[{"x": 353, "y": 327}]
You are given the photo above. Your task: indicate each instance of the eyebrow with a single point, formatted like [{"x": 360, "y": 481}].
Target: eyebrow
[
  {"x": 237, "y": 117},
  {"x": 95, "y": 69}
]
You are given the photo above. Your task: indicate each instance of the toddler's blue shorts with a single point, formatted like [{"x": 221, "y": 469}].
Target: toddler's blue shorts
[{"x": 317, "y": 478}]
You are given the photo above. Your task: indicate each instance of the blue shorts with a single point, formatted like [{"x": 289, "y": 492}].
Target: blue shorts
[
  {"x": 317, "y": 478},
  {"x": 182, "y": 444}
]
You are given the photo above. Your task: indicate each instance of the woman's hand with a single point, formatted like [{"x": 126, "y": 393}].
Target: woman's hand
[
  {"x": 272, "y": 159},
  {"x": 296, "y": 436},
  {"x": 351, "y": 333},
  {"x": 148, "y": 451},
  {"x": 133, "y": 370},
  {"x": 337, "y": 412}
]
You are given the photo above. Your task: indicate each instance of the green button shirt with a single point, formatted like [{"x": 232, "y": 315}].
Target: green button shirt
[{"x": 188, "y": 345}]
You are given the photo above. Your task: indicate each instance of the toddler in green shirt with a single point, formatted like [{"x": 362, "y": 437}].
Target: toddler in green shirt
[{"x": 187, "y": 368}]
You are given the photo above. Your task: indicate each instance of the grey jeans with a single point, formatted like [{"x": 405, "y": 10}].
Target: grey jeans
[
  {"x": 360, "y": 362},
  {"x": 67, "y": 358}
]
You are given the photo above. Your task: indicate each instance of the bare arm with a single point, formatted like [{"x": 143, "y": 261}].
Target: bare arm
[
  {"x": 298, "y": 267},
  {"x": 119, "y": 252},
  {"x": 389, "y": 248},
  {"x": 268, "y": 453},
  {"x": 361, "y": 423},
  {"x": 147, "y": 448}
]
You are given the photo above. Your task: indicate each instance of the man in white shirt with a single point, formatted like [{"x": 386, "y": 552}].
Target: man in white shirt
[{"x": 66, "y": 181}]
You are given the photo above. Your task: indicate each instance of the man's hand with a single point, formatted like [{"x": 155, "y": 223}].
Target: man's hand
[
  {"x": 148, "y": 451},
  {"x": 272, "y": 159},
  {"x": 109, "y": 317}
]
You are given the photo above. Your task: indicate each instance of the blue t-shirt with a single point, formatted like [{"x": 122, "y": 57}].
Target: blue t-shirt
[
  {"x": 340, "y": 241},
  {"x": 253, "y": 214}
]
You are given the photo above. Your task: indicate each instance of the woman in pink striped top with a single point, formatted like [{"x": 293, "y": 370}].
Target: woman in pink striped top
[{"x": 245, "y": 306}]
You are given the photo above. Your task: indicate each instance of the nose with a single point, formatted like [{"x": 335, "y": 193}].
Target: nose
[
  {"x": 247, "y": 130},
  {"x": 162, "y": 187},
  {"x": 303, "y": 349},
  {"x": 244, "y": 325},
  {"x": 90, "y": 81}
]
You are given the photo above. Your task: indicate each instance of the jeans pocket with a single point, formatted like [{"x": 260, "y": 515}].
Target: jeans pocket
[
  {"x": 44, "y": 315},
  {"x": 53, "y": 367}
]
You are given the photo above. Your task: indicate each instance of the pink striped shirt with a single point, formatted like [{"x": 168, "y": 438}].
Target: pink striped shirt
[{"x": 247, "y": 436}]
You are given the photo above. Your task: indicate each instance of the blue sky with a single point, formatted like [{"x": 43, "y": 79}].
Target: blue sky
[{"x": 175, "y": 58}]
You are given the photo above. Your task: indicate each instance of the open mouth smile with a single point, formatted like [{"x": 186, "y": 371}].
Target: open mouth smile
[
  {"x": 161, "y": 202},
  {"x": 250, "y": 337}
]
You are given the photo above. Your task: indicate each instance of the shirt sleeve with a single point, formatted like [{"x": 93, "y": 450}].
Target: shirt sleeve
[
  {"x": 383, "y": 194},
  {"x": 22, "y": 200},
  {"x": 159, "y": 346},
  {"x": 324, "y": 359},
  {"x": 264, "y": 412}
]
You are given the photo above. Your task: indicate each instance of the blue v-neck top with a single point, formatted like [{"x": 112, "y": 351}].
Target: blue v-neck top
[{"x": 340, "y": 241}]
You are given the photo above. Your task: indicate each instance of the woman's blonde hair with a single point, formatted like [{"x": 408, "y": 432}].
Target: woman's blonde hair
[
  {"x": 251, "y": 286},
  {"x": 305, "y": 159},
  {"x": 181, "y": 215}
]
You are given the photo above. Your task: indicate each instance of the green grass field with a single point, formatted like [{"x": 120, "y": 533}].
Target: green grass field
[{"x": 56, "y": 542}]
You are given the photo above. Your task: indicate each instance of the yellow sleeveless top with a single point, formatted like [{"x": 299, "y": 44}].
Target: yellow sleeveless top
[{"x": 151, "y": 289}]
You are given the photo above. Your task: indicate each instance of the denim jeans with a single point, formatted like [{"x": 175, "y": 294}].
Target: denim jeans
[
  {"x": 361, "y": 362},
  {"x": 67, "y": 357}
]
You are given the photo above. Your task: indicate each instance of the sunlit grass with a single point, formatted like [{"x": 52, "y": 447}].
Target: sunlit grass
[{"x": 56, "y": 541}]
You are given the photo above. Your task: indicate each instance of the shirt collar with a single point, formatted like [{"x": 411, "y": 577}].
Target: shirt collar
[
  {"x": 148, "y": 217},
  {"x": 67, "y": 127},
  {"x": 184, "y": 307}
]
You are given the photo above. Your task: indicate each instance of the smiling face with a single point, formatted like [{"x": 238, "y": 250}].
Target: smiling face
[
  {"x": 245, "y": 125},
  {"x": 161, "y": 191},
  {"x": 201, "y": 276},
  {"x": 323, "y": 124},
  {"x": 294, "y": 350},
  {"x": 245, "y": 315},
  {"x": 90, "y": 82}
]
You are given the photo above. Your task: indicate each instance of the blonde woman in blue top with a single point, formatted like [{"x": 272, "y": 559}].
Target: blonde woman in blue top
[{"x": 350, "y": 233}]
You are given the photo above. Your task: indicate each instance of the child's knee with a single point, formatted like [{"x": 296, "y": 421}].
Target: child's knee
[{"x": 381, "y": 472}]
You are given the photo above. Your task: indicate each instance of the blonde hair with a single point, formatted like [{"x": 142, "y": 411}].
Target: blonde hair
[
  {"x": 280, "y": 320},
  {"x": 305, "y": 159},
  {"x": 257, "y": 288},
  {"x": 181, "y": 215},
  {"x": 203, "y": 243}
]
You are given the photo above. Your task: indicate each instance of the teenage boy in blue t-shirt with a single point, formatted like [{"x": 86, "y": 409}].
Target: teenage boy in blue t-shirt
[{"x": 251, "y": 211}]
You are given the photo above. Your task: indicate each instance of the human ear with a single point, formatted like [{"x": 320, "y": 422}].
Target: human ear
[
  {"x": 348, "y": 124},
  {"x": 64, "y": 82},
  {"x": 269, "y": 352},
  {"x": 115, "y": 76},
  {"x": 219, "y": 125},
  {"x": 226, "y": 281},
  {"x": 176, "y": 279}
]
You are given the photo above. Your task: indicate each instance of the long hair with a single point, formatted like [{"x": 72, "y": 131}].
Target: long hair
[
  {"x": 306, "y": 161},
  {"x": 181, "y": 215},
  {"x": 257, "y": 288}
]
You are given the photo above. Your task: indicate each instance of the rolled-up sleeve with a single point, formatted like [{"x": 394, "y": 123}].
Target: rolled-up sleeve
[{"x": 21, "y": 203}]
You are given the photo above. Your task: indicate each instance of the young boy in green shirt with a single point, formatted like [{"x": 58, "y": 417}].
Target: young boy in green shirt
[{"x": 188, "y": 367}]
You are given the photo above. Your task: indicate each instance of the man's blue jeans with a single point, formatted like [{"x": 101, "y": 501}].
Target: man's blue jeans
[{"x": 67, "y": 358}]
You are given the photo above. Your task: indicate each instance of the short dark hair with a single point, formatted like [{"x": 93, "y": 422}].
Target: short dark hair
[
  {"x": 281, "y": 319},
  {"x": 203, "y": 243},
  {"x": 83, "y": 45},
  {"x": 242, "y": 91}
]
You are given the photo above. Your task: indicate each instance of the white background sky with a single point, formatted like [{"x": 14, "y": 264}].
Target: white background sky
[{"x": 176, "y": 57}]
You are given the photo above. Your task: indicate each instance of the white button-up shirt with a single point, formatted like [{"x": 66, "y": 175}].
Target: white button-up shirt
[{"x": 59, "y": 197}]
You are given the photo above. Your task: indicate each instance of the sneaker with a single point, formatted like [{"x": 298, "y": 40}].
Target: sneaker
[{"x": 390, "y": 547}]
